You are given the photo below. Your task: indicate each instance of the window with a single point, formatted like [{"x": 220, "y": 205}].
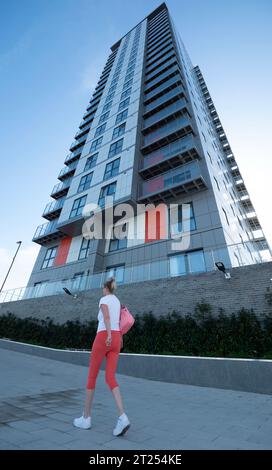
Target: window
[
  {"x": 131, "y": 69},
  {"x": 104, "y": 117},
  {"x": 121, "y": 116},
  {"x": 185, "y": 263},
  {"x": 196, "y": 262},
  {"x": 91, "y": 162},
  {"x": 49, "y": 258},
  {"x": 127, "y": 83},
  {"x": 129, "y": 76},
  {"x": 84, "y": 249},
  {"x": 78, "y": 206},
  {"x": 109, "y": 97},
  {"x": 116, "y": 271},
  {"x": 100, "y": 130},
  {"x": 108, "y": 190},
  {"x": 177, "y": 265},
  {"x": 107, "y": 106},
  {"x": 112, "y": 169},
  {"x": 96, "y": 144},
  {"x": 118, "y": 131},
  {"x": 115, "y": 148},
  {"x": 85, "y": 182},
  {"x": 123, "y": 104},
  {"x": 112, "y": 88},
  {"x": 178, "y": 226},
  {"x": 125, "y": 93},
  {"x": 118, "y": 243}
]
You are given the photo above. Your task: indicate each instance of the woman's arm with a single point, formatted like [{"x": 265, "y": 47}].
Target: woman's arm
[{"x": 106, "y": 315}]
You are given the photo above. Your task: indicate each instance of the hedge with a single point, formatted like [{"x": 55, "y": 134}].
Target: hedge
[{"x": 198, "y": 334}]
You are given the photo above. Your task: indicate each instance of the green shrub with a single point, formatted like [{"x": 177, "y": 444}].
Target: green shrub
[{"x": 197, "y": 334}]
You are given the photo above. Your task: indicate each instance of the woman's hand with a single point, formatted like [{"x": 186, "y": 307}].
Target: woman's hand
[{"x": 108, "y": 340}]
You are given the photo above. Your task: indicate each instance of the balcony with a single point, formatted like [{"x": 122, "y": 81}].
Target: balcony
[
  {"x": 47, "y": 232},
  {"x": 67, "y": 171},
  {"x": 53, "y": 209},
  {"x": 164, "y": 115},
  {"x": 179, "y": 127},
  {"x": 185, "y": 179},
  {"x": 163, "y": 101},
  {"x": 72, "y": 157},
  {"x": 160, "y": 90},
  {"x": 163, "y": 77},
  {"x": 170, "y": 68},
  {"x": 177, "y": 153},
  {"x": 78, "y": 143},
  {"x": 60, "y": 189},
  {"x": 82, "y": 132},
  {"x": 166, "y": 61}
]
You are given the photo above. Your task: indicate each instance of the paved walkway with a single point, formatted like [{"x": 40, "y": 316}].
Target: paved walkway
[{"x": 39, "y": 399}]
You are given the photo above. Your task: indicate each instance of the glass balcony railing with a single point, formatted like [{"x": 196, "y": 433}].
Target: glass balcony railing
[
  {"x": 162, "y": 77},
  {"x": 168, "y": 83},
  {"x": 178, "y": 90},
  {"x": 165, "y": 130},
  {"x": 163, "y": 49},
  {"x": 59, "y": 187},
  {"x": 155, "y": 68},
  {"x": 171, "y": 150},
  {"x": 164, "y": 113},
  {"x": 53, "y": 206},
  {"x": 46, "y": 229},
  {"x": 78, "y": 142},
  {"x": 149, "y": 78},
  {"x": 169, "y": 180},
  {"x": 67, "y": 169},
  {"x": 74, "y": 155}
]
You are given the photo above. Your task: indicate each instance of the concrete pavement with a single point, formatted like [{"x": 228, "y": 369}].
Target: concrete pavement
[{"x": 40, "y": 397}]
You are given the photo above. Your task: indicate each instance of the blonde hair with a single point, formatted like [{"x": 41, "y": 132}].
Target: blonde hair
[{"x": 110, "y": 284}]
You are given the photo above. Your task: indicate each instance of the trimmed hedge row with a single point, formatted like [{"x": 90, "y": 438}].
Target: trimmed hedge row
[{"x": 198, "y": 334}]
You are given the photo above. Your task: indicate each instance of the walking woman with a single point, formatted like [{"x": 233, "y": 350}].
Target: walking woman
[{"x": 107, "y": 343}]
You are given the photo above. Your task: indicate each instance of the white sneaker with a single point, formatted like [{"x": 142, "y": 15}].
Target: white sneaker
[
  {"x": 83, "y": 423},
  {"x": 122, "y": 425}
]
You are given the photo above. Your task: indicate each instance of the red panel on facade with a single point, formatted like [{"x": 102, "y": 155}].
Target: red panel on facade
[
  {"x": 159, "y": 219},
  {"x": 63, "y": 251}
]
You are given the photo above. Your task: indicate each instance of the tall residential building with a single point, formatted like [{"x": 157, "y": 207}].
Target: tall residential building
[{"x": 150, "y": 134}]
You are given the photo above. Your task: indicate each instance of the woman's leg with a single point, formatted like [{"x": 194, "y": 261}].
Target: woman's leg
[
  {"x": 112, "y": 358},
  {"x": 88, "y": 403},
  {"x": 97, "y": 356},
  {"x": 118, "y": 399}
]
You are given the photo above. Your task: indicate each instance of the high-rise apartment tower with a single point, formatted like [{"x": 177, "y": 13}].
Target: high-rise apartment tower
[{"x": 150, "y": 134}]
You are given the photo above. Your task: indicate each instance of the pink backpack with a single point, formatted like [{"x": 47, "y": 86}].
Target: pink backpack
[{"x": 126, "y": 320}]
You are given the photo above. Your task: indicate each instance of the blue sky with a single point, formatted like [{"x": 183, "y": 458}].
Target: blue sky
[{"x": 51, "y": 55}]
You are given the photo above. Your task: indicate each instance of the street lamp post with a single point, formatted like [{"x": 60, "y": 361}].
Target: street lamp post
[{"x": 19, "y": 244}]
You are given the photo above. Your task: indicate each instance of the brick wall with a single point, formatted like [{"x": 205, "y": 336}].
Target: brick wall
[{"x": 246, "y": 288}]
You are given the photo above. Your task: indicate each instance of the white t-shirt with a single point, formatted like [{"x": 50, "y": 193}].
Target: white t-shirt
[{"x": 114, "y": 306}]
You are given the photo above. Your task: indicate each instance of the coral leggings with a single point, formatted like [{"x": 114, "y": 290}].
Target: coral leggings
[{"x": 99, "y": 351}]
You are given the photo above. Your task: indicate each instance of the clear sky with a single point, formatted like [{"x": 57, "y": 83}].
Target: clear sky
[{"x": 51, "y": 55}]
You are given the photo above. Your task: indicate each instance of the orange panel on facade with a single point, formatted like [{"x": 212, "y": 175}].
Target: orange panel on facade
[{"x": 63, "y": 251}]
